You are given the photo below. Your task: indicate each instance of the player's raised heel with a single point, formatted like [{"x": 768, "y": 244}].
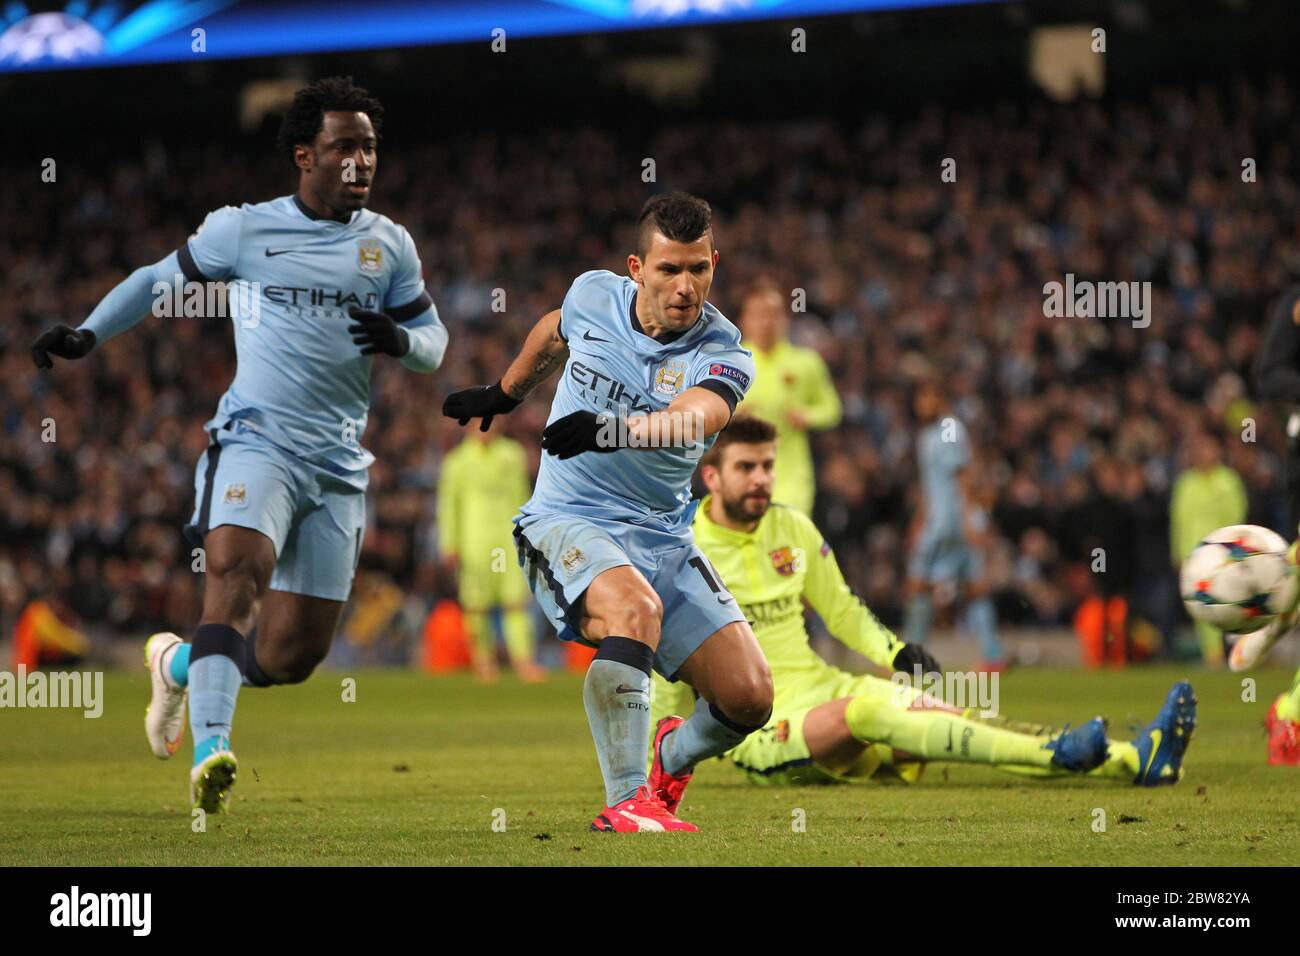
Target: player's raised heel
[
  {"x": 643, "y": 813},
  {"x": 211, "y": 781},
  {"x": 164, "y": 718},
  {"x": 1163, "y": 743},
  {"x": 670, "y": 788},
  {"x": 1081, "y": 749}
]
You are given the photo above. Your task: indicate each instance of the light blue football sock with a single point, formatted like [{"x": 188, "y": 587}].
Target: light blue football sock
[
  {"x": 981, "y": 619},
  {"x": 616, "y": 695},
  {"x": 178, "y": 668},
  {"x": 216, "y": 668},
  {"x": 920, "y": 612},
  {"x": 706, "y": 733},
  {"x": 204, "y": 748}
]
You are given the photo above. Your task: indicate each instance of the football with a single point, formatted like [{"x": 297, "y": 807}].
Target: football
[{"x": 1239, "y": 578}]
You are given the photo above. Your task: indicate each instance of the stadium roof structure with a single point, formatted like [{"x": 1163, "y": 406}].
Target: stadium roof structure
[{"x": 100, "y": 33}]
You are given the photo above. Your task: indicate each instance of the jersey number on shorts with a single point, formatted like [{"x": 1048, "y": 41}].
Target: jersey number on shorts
[{"x": 699, "y": 564}]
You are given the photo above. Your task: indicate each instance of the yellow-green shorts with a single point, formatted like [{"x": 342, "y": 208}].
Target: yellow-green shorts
[
  {"x": 484, "y": 586},
  {"x": 777, "y": 754}
]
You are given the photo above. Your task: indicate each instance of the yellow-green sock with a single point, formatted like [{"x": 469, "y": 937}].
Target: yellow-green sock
[
  {"x": 483, "y": 639},
  {"x": 519, "y": 635},
  {"x": 1121, "y": 764},
  {"x": 1288, "y": 705},
  {"x": 937, "y": 735}
]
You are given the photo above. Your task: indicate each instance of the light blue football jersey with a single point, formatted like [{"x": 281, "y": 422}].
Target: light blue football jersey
[
  {"x": 615, "y": 367},
  {"x": 301, "y": 382},
  {"x": 940, "y": 462}
]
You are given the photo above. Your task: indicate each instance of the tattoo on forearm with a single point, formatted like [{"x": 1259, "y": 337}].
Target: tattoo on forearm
[{"x": 542, "y": 368}]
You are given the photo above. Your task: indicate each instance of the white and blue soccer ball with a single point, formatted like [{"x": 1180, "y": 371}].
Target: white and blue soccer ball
[{"x": 1239, "y": 578}]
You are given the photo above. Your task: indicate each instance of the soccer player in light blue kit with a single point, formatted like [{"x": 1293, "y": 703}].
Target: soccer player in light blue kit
[
  {"x": 318, "y": 285},
  {"x": 942, "y": 553},
  {"x": 652, "y": 372}
]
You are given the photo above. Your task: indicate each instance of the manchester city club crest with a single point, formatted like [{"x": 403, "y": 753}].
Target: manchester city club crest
[
  {"x": 572, "y": 560},
  {"x": 370, "y": 256},
  {"x": 669, "y": 378}
]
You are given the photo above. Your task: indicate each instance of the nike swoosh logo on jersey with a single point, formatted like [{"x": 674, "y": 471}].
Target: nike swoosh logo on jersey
[
  {"x": 279, "y": 252},
  {"x": 591, "y": 338}
]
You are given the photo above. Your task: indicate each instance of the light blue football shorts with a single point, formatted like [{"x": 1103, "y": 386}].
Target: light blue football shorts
[
  {"x": 945, "y": 559},
  {"x": 314, "y": 518},
  {"x": 561, "y": 555}
]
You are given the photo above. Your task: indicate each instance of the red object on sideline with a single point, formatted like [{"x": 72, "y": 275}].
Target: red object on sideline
[{"x": 446, "y": 645}]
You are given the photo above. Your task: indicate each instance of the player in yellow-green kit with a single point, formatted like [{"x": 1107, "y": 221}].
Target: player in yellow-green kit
[
  {"x": 828, "y": 725},
  {"x": 792, "y": 389},
  {"x": 1208, "y": 495},
  {"x": 484, "y": 480}
]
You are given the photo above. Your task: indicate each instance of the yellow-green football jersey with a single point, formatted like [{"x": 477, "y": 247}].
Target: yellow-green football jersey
[{"x": 772, "y": 570}]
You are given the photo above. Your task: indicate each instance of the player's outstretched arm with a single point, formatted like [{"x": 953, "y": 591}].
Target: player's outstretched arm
[
  {"x": 126, "y": 304},
  {"x": 691, "y": 418},
  {"x": 544, "y": 351},
  {"x": 847, "y": 617}
]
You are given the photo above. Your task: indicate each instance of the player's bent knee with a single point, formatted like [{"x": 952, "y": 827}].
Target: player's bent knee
[
  {"x": 747, "y": 698},
  {"x": 638, "y": 616},
  {"x": 294, "y": 667},
  {"x": 861, "y": 716}
]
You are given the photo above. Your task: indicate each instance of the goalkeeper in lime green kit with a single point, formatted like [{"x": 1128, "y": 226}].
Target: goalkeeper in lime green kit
[
  {"x": 483, "y": 482},
  {"x": 828, "y": 725}
]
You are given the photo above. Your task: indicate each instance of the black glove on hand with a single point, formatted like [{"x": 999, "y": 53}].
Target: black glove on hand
[
  {"x": 575, "y": 433},
  {"x": 378, "y": 332},
  {"x": 910, "y": 655},
  {"x": 481, "y": 401},
  {"x": 63, "y": 341}
]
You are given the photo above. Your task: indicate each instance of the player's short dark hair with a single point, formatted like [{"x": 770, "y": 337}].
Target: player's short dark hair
[
  {"x": 741, "y": 430},
  {"x": 680, "y": 216},
  {"x": 305, "y": 117}
]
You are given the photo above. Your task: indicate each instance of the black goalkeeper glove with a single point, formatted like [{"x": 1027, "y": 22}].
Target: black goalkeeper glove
[
  {"x": 481, "y": 401},
  {"x": 378, "y": 332},
  {"x": 576, "y": 433},
  {"x": 63, "y": 341},
  {"x": 910, "y": 656}
]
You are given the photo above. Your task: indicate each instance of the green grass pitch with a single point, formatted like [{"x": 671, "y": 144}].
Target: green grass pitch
[{"x": 417, "y": 770}]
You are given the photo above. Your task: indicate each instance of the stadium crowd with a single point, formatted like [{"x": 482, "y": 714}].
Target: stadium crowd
[{"x": 1080, "y": 426}]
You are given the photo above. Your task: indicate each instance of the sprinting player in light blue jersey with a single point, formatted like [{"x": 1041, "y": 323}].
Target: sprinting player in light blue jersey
[
  {"x": 652, "y": 372},
  {"x": 943, "y": 554},
  {"x": 317, "y": 286}
]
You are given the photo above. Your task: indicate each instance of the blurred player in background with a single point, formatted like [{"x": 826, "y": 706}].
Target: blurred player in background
[
  {"x": 1277, "y": 379},
  {"x": 792, "y": 388},
  {"x": 828, "y": 725},
  {"x": 483, "y": 482},
  {"x": 1206, "y": 496},
  {"x": 320, "y": 286},
  {"x": 943, "y": 560},
  {"x": 606, "y": 538}
]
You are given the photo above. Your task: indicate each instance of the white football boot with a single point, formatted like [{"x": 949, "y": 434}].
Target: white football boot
[
  {"x": 164, "y": 720},
  {"x": 1251, "y": 648}
]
